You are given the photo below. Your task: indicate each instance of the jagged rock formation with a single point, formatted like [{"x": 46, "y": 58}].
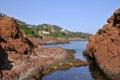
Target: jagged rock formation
[
  {"x": 104, "y": 47},
  {"x": 11, "y": 38},
  {"x": 12, "y": 45}
]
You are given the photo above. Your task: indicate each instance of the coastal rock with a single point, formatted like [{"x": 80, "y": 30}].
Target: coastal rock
[
  {"x": 11, "y": 38},
  {"x": 21, "y": 58},
  {"x": 53, "y": 40},
  {"x": 14, "y": 48},
  {"x": 104, "y": 47}
]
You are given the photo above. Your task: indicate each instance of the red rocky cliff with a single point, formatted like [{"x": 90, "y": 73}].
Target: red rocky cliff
[
  {"x": 11, "y": 38},
  {"x": 13, "y": 47},
  {"x": 104, "y": 47}
]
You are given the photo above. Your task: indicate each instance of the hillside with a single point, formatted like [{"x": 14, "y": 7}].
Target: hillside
[
  {"x": 48, "y": 30},
  {"x": 57, "y": 31}
]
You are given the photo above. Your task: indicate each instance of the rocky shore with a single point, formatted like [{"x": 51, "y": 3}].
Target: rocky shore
[
  {"x": 51, "y": 40},
  {"x": 77, "y": 39},
  {"x": 21, "y": 58},
  {"x": 103, "y": 49}
]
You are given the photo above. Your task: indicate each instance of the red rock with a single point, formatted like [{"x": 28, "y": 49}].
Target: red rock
[
  {"x": 104, "y": 47},
  {"x": 21, "y": 58},
  {"x": 13, "y": 46},
  {"x": 9, "y": 28},
  {"x": 11, "y": 37},
  {"x": 52, "y": 40}
]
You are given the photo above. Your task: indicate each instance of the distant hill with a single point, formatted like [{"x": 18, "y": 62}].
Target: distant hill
[
  {"x": 57, "y": 31},
  {"x": 48, "y": 30}
]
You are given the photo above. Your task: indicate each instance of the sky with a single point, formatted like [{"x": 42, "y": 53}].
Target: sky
[{"x": 74, "y": 15}]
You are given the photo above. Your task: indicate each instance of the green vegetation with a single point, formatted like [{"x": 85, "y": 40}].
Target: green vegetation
[
  {"x": 59, "y": 32},
  {"x": 100, "y": 31},
  {"x": 2, "y": 15},
  {"x": 28, "y": 31},
  {"x": 55, "y": 67},
  {"x": 51, "y": 30},
  {"x": 71, "y": 64}
]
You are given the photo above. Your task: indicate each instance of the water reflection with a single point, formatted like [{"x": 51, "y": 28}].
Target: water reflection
[
  {"x": 81, "y": 73},
  {"x": 91, "y": 72},
  {"x": 96, "y": 73},
  {"x": 78, "y": 46}
]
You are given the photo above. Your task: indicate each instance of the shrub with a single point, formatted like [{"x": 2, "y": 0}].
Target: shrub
[
  {"x": 28, "y": 31},
  {"x": 100, "y": 31}
]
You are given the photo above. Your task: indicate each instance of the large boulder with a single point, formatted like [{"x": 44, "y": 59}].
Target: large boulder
[
  {"x": 12, "y": 46},
  {"x": 104, "y": 47},
  {"x": 11, "y": 38}
]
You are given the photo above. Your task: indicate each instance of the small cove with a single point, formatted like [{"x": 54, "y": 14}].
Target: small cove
[
  {"x": 75, "y": 73},
  {"x": 78, "y": 46}
]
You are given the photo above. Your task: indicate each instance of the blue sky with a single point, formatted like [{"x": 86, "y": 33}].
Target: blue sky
[{"x": 74, "y": 15}]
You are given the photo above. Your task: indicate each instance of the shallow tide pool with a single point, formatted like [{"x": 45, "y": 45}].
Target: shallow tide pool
[{"x": 80, "y": 73}]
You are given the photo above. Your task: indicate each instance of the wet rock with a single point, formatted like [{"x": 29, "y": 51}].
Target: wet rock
[{"x": 104, "y": 47}]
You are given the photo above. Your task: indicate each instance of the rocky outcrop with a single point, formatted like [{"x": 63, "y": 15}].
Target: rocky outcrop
[
  {"x": 21, "y": 58},
  {"x": 11, "y": 38},
  {"x": 13, "y": 46},
  {"x": 104, "y": 47},
  {"x": 53, "y": 40}
]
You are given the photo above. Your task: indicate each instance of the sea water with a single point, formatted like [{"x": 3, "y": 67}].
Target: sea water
[{"x": 75, "y": 73}]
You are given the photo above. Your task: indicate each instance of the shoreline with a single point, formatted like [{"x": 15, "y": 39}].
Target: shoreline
[
  {"x": 67, "y": 62},
  {"x": 22, "y": 58},
  {"x": 50, "y": 40}
]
